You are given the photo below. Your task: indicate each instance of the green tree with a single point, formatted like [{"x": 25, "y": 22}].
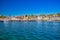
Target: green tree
[
  {"x": 2, "y": 16},
  {"x": 42, "y": 15},
  {"x": 58, "y": 14},
  {"x": 31, "y": 15}
]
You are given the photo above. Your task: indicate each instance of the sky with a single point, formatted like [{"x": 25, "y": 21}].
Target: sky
[{"x": 27, "y": 7}]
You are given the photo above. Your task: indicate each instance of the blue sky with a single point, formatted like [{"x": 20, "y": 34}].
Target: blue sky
[{"x": 22, "y": 7}]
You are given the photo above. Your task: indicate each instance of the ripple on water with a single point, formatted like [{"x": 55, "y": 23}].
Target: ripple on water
[{"x": 30, "y": 31}]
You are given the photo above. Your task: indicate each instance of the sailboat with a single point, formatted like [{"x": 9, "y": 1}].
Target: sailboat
[{"x": 6, "y": 20}]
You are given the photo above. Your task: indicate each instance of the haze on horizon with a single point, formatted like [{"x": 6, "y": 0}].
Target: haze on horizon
[{"x": 22, "y": 7}]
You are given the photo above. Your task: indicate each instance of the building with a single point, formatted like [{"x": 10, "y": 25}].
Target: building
[
  {"x": 39, "y": 17},
  {"x": 14, "y": 18}
]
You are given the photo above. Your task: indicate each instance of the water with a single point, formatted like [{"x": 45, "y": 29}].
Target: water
[{"x": 30, "y": 30}]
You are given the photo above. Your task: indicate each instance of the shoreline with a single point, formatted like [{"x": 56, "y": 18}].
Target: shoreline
[{"x": 28, "y": 20}]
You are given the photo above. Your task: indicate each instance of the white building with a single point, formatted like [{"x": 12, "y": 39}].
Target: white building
[
  {"x": 39, "y": 18},
  {"x": 14, "y": 18}
]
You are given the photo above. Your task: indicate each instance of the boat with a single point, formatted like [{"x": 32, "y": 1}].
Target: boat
[{"x": 6, "y": 20}]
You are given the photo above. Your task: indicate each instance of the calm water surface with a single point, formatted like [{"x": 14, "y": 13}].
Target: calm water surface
[{"x": 30, "y": 30}]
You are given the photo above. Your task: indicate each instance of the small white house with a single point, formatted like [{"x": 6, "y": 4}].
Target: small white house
[{"x": 39, "y": 18}]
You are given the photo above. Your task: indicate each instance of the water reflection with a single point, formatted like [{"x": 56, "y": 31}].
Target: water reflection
[
  {"x": 6, "y": 24},
  {"x": 39, "y": 30}
]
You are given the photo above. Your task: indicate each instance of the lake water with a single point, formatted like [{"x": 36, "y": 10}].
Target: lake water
[{"x": 42, "y": 30}]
